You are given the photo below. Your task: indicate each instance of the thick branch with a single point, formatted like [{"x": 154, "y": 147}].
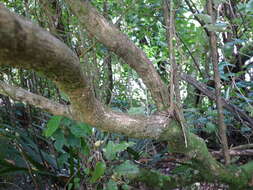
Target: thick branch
[
  {"x": 119, "y": 43},
  {"x": 22, "y": 95},
  {"x": 27, "y": 46},
  {"x": 203, "y": 161}
]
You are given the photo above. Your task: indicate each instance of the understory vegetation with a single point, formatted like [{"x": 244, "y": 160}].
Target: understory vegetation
[{"x": 126, "y": 94}]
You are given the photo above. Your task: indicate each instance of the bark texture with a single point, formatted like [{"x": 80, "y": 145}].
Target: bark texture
[
  {"x": 117, "y": 42},
  {"x": 22, "y": 95},
  {"x": 25, "y": 45},
  {"x": 217, "y": 80}
]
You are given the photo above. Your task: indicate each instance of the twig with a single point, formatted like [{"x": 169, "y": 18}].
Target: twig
[
  {"x": 169, "y": 13},
  {"x": 247, "y": 152},
  {"x": 239, "y": 114},
  {"x": 241, "y": 147}
]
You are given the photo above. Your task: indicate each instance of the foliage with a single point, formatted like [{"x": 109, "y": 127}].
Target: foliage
[{"x": 36, "y": 143}]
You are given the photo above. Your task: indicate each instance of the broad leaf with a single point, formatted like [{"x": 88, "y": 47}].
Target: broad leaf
[
  {"x": 52, "y": 125},
  {"x": 81, "y": 129},
  {"x": 127, "y": 169},
  {"x": 73, "y": 141},
  {"x": 112, "y": 149},
  {"x": 98, "y": 172},
  {"x": 59, "y": 140}
]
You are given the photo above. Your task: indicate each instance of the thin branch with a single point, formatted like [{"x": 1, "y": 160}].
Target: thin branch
[
  {"x": 217, "y": 80},
  {"x": 25, "y": 45},
  {"x": 22, "y": 95},
  {"x": 191, "y": 55},
  {"x": 239, "y": 114},
  {"x": 247, "y": 152},
  {"x": 108, "y": 63},
  {"x": 241, "y": 147},
  {"x": 169, "y": 17},
  {"x": 194, "y": 10}
]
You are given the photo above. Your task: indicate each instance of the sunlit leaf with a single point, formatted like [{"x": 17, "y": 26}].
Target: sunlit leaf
[
  {"x": 98, "y": 172},
  {"x": 112, "y": 149},
  {"x": 52, "y": 125}
]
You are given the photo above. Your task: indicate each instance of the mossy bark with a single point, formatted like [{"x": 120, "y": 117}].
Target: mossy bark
[{"x": 27, "y": 46}]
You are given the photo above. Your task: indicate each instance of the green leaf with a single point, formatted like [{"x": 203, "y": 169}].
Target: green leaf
[
  {"x": 81, "y": 130},
  {"x": 59, "y": 140},
  {"x": 73, "y": 141},
  {"x": 205, "y": 18},
  {"x": 4, "y": 171},
  {"x": 111, "y": 185},
  {"x": 228, "y": 49},
  {"x": 77, "y": 182},
  {"x": 218, "y": 27},
  {"x": 52, "y": 125},
  {"x": 85, "y": 147},
  {"x": 210, "y": 127},
  {"x": 62, "y": 159},
  {"x": 183, "y": 169},
  {"x": 127, "y": 169},
  {"x": 245, "y": 130},
  {"x": 112, "y": 149},
  {"x": 70, "y": 185},
  {"x": 98, "y": 172}
]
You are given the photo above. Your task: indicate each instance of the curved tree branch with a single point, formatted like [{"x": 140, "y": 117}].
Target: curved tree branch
[
  {"x": 23, "y": 95},
  {"x": 112, "y": 38},
  {"x": 25, "y": 45}
]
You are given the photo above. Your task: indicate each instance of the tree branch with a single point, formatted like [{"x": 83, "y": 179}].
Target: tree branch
[
  {"x": 23, "y": 95},
  {"x": 112, "y": 38},
  {"x": 25, "y": 45},
  {"x": 239, "y": 114},
  {"x": 217, "y": 82},
  {"x": 247, "y": 152}
]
